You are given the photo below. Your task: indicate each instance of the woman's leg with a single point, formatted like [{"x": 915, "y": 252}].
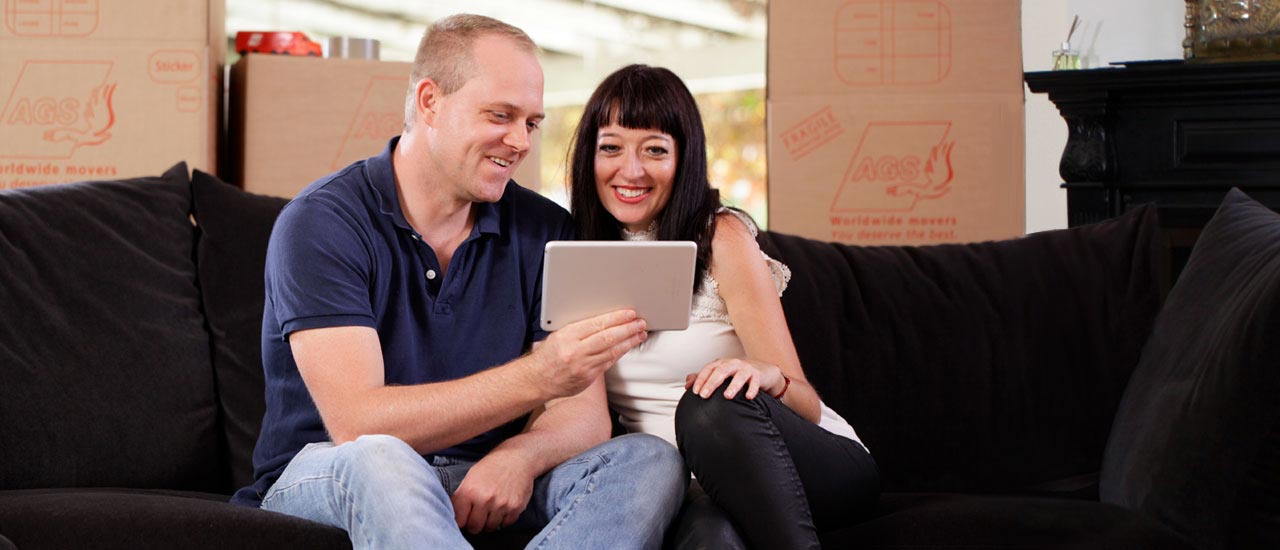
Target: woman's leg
[
  {"x": 840, "y": 477},
  {"x": 702, "y": 525},
  {"x": 780, "y": 477}
]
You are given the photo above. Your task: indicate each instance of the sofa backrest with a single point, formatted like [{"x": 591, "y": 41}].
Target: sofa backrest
[
  {"x": 130, "y": 352},
  {"x": 986, "y": 367},
  {"x": 105, "y": 378}
]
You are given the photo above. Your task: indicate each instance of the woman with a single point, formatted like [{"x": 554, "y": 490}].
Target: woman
[{"x": 729, "y": 391}]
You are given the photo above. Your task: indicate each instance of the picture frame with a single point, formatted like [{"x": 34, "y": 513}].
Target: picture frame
[{"x": 1232, "y": 30}]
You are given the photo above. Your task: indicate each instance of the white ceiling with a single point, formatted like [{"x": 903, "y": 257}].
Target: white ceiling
[{"x": 715, "y": 45}]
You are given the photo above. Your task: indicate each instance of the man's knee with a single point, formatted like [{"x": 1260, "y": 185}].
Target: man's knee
[
  {"x": 650, "y": 459},
  {"x": 358, "y": 485},
  {"x": 646, "y": 450},
  {"x": 377, "y": 459},
  {"x": 651, "y": 462},
  {"x": 382, "y": 448}
]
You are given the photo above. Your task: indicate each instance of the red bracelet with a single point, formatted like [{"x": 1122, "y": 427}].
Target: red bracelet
[{"x": 785, "y": 385}]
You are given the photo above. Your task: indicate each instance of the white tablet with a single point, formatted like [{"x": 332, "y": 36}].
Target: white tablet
[{"x": 582, "y": 279}]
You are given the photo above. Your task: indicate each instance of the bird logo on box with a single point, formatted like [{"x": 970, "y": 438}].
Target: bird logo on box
[
  {"x": 95, "y": 122},
  {"x": 937, "y": 175}
]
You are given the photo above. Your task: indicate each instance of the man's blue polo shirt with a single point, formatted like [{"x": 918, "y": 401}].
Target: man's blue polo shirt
[{"x": 342, "y": 254}]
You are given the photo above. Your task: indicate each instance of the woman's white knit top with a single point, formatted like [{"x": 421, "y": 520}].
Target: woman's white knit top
[{"x": 647, "y": 383}]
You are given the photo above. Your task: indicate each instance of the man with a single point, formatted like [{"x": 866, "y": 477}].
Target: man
[{"x": 400, "y": 295}]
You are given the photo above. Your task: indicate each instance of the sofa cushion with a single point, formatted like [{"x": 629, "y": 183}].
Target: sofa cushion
[
  {"x": 1196, "y": 442},
  {"x": 140, "y": 519},
  {"x": 132, "y": 519},
  {"x": 234, "y": 227},
  {"x": 970, "y": 521},
  {"x": 103, "y": 354},
  {"x": 988, "y": 367}
]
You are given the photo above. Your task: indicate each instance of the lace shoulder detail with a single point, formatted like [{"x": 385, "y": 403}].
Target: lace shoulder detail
[
  {"x": 781, "y": 273},
  {"x": 742, "y": 217},
  {"x": 707, "y": 303}
]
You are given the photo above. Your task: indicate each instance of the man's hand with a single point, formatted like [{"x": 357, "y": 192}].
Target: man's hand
[
  {"x": 497, "y": 489},
  {"x": 573, "y": 357},
  {"x": 493, "y": 494}
]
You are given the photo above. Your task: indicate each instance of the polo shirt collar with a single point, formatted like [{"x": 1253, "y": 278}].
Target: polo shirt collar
[{"x": 382, "y": 177}]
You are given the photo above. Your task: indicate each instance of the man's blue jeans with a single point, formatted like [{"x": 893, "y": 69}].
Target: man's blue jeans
[{"x": 620, "y": 494}]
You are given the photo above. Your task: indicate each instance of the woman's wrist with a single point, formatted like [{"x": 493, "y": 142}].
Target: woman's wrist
[{"x": 786, "y": 385}]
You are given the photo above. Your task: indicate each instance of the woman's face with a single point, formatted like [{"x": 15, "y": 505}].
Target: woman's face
[{"x": 634, "y": 173}]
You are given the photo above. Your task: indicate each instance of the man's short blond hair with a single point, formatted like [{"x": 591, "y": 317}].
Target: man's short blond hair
[{"x": 444, "y": 54}]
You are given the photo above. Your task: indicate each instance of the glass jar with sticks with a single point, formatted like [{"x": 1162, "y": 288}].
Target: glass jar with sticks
[{"x": 1067, "y": 58}]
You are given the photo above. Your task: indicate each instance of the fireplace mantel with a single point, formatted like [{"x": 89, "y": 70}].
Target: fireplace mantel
[{"x": 1175, "y": 134}]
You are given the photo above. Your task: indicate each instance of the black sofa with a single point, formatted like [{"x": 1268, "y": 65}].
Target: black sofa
[{"x": 985, "y": 378}]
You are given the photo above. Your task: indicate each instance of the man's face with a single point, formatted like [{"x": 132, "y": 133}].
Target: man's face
[{"x": 481, "y": 132}]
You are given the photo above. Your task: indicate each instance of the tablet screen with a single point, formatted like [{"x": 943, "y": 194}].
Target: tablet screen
[{"x": 582, "y": 279}]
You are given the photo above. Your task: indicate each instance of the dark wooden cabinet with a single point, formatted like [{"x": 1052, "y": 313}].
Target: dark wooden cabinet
[{"x": 1175, "y": 134}]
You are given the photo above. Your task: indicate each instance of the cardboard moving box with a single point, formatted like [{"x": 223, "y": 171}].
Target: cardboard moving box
[
  {"x": 100, "y": 90},
  {"x": 296, "y": 119},
  {"x": 894, "y": 171},
  {"x": 896, "y": 121}
]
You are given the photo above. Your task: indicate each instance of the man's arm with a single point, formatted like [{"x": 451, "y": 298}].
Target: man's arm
[{"x": 343, "y": 370}]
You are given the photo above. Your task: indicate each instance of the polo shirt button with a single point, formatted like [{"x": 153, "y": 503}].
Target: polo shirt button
[
  {"x": 415, "y": 237},
  {"x": 431, "y": 274}
]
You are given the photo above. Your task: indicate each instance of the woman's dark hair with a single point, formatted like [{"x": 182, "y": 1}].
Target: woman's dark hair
[{"x": 643, "y": 98}]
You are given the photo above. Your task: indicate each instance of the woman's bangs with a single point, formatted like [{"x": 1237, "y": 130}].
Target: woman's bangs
[{"x": 641, "y": 109}]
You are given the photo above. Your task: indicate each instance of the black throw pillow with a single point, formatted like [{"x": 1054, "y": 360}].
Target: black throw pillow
[
  {"x": 1196, "y": 442},
  {"x": 234, "y": 228},
  {"x": 104, "y": 362}
]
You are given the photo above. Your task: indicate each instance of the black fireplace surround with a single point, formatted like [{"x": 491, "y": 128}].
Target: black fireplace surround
[{"x": 1175, "y": 134}]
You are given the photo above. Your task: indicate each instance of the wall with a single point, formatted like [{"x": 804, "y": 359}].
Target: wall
[
  {"x": 1129, "y": 30},
  {"x": 1110, "y": 31}
]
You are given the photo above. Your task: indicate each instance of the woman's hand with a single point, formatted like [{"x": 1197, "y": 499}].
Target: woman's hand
[{"x": 748, "y": 373}]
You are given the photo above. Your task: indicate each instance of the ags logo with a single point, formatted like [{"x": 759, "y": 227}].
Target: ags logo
[
  {"x": 57, "y": 107},
  {"x": 896, "y": 165},
  {"x": 379, "y": 116}
]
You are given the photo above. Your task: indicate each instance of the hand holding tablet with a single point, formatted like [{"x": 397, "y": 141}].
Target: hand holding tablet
[{"x": 582, "y": 279}]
